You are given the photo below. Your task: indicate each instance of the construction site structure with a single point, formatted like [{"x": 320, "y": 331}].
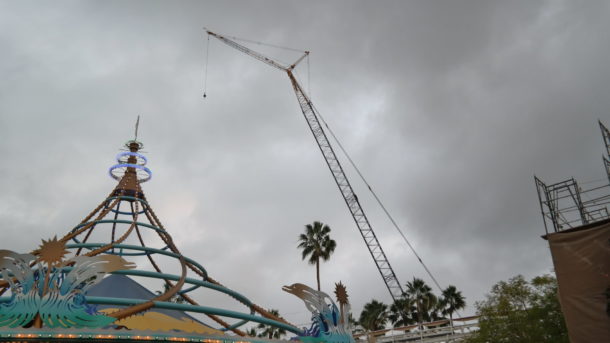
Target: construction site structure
[
  {"x": 566, "y": 205},
  {"x": 577, "y": 226}
]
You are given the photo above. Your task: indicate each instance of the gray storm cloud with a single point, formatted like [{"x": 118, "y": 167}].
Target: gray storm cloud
[{"x": 449, "y": 108}]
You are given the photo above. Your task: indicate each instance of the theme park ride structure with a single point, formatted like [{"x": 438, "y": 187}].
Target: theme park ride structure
[{"x": 63, "y": 289}]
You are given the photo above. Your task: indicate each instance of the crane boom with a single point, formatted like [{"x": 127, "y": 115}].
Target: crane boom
[
  {"x": 351, "y": 200},
  {"x": 253, "y": 53}
]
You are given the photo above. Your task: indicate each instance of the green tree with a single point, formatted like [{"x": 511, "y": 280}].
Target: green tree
[
  {"x": 269, "y": 331},
  {"x": 517, "y": 311},
  {"x": 451, "y": 301},
  {"x": 420, "y": 295},
  {"x": 374, "y": 315},
  {"x": 316, "y": 244}
]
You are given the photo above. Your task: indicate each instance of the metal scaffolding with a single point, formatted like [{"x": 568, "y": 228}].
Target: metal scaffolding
[{"x": 562, "y": 203}]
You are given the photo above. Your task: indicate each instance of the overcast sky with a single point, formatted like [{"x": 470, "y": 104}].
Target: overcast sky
[{"x": 449, "y": 108}]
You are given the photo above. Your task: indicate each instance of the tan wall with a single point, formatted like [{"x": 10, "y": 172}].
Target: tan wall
[{"x": 582, "y": 265}]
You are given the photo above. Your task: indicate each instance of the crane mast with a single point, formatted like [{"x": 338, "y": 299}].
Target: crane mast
[{"x": 351, "y": 200}]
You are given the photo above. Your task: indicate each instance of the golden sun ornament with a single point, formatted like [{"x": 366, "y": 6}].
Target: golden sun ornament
[
  {"x": 52, "y": 251},
  {"x": 341, "y": 293}
]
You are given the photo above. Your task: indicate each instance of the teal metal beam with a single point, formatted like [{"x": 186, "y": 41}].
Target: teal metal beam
[
  {"x": 197, "y": 283},
  {"x": 192, "y": 281},
  {"x": 137, "y": 247},
  {"x": 127, "y": 197},
  {"x": 197, "y": 309}
]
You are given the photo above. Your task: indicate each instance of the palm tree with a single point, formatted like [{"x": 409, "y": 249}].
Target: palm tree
[
  {"x": 452, "y": 301},
  {"x": 374, "y": 315},
  {"x": 316, "y": 244},
  {"x": 269, "y": 331},
  {"x": 402, "y": 312},
  {"x": 422, "y": 297},
  {"x": 436, "y": 312}
]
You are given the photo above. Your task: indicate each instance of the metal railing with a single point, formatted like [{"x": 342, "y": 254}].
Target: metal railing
[{"x": 434, "y": 332}]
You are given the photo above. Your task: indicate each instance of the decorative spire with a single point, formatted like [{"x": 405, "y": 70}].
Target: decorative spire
[
  {"x": 130, "y": 170},
  {"x": 49, "y": 288},
  {"x": 137, "y": 125}
]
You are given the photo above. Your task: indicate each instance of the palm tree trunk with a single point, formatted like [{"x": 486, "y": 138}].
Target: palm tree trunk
[
  {"x": 451, "y": 322},
  {"x": 318, "y": 272},
  {"x": 420, "y": 320}
]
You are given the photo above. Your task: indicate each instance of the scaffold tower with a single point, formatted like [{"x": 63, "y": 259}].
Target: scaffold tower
[{"x": 566, "y": 204}]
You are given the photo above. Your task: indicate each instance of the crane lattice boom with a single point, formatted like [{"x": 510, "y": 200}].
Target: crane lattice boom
[{"x": 383, "y": 265}]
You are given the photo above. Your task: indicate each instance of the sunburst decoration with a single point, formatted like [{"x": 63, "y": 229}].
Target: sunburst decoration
[
  {"x": 52, "y": 251},
  {"x": 341, "y": 293}
]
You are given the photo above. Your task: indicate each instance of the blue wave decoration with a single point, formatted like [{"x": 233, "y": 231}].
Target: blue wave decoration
[
  {"x": 56, "y": 295},
  {"x": 326, "y": 326}
]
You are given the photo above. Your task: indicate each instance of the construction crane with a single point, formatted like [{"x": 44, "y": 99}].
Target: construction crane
[{"x": 351, "y": 200}]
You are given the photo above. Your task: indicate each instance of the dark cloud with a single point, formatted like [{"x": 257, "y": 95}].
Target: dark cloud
[{"x": 449, "y": 108}]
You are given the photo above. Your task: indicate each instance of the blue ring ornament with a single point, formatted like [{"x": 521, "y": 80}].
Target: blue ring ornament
[
  {"x": 129, "y": 165},
  {"x": 129, "y": 153}
]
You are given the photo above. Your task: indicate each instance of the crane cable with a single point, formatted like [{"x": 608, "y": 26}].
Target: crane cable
[
  {"x": 308, "y": 77},
  {"x": 266, "y": 44},
  {"x": 317, "y": 113},
  {"x": 377, "y": 199},
  {"x": 207, "y": 52},
  {"x": 205, "y": 73}
]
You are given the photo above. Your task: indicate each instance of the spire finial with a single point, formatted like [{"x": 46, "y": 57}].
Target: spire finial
[{"x": 137, "y": 125}]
